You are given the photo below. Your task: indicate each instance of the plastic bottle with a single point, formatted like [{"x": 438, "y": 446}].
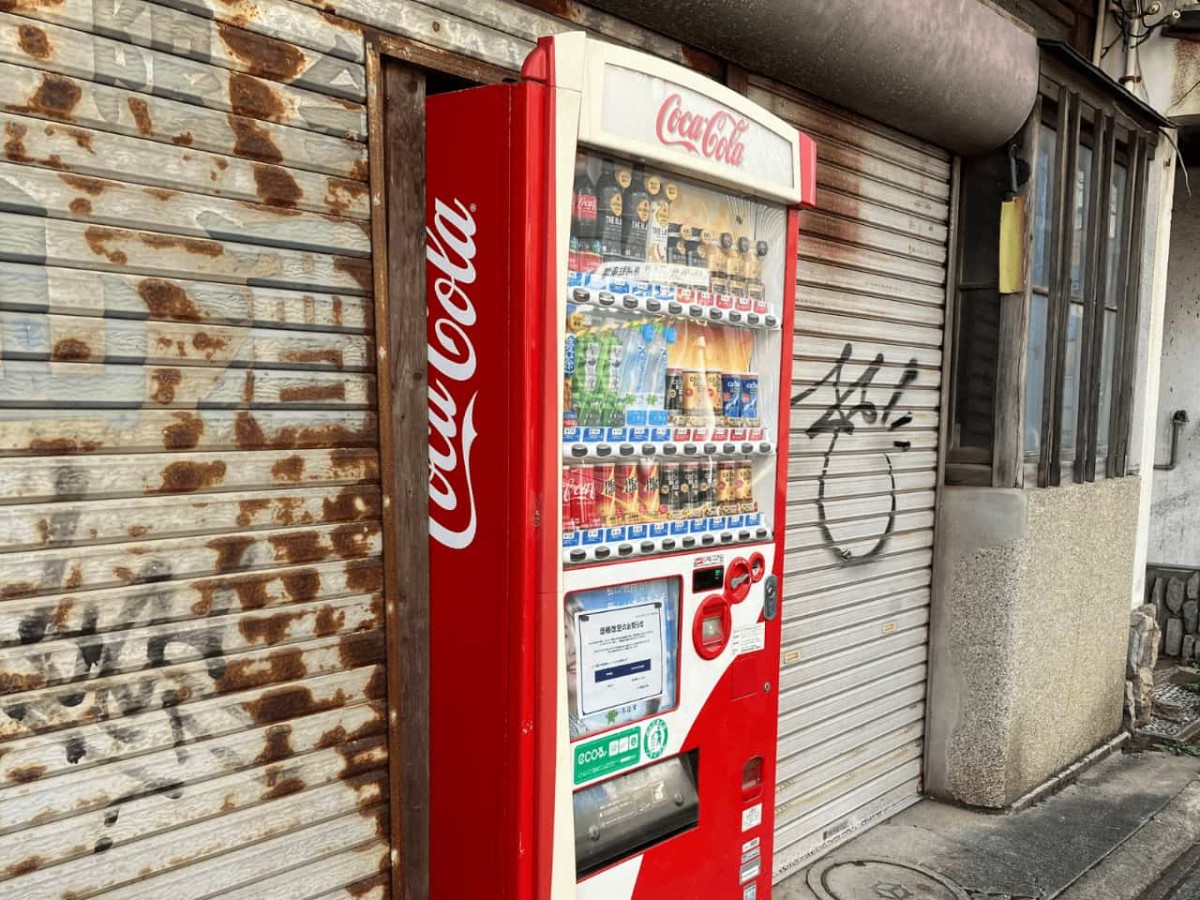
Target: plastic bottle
[{"x": 652, "y": 392}]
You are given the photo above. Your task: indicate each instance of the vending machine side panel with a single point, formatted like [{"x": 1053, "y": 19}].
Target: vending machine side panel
[{"x": 475, "y": 617}]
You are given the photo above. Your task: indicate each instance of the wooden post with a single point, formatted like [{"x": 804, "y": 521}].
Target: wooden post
[{"x": 397, "y": 144}]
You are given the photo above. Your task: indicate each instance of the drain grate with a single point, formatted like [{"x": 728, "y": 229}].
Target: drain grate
[{"x": 1176, "y": 713}]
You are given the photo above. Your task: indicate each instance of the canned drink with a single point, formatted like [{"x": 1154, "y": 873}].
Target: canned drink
[
  {"x": 706, "y": 493},
  {"x": 731, "y": 397},
  {"x": 669, "y": 490},
  {"x": 673, "y": 401},
  {"x": 695, "y": 397},
  {"x": 604, "y": 477},
  {"x": 726, "y": 492},
  {"x": 749, "y": 398},
  {"x": 649, "y": 492},
  {"x": 744, "y": 486},
  {"x": 627, "y": 493},
  {"x": 568, "y": 510},
  {"x": 689, "y": 488},
  {"x": 583, "y": 496},
  {"x": 712, "y": 390}
]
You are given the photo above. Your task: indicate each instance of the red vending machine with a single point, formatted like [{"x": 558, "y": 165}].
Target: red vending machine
[{"x": 611, "y": 273}]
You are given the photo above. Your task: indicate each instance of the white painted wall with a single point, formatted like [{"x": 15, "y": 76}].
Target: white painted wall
[{"x": 1175, "y": 507}]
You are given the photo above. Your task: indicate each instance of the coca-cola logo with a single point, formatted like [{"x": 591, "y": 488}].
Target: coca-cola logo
[
  {"x": 450, "y": 252},
  {"x": 716, "y": 137}
]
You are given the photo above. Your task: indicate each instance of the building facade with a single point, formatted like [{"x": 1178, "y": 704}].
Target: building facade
[{"x": 206, "y": 682}]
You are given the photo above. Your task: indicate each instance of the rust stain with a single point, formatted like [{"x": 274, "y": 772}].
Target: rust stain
[
  {"x": 229, "y": 804},
  {"x": 62, "y": 445},
  {"x": 280, "y": 786},
  {"x": 209, "y": 345},
  {"x": 161, "y": 193},
  {"x": 71, "y": 349},
  {"x": 349, "y": 505},
  {"x": 361, "y": 649},
  {"x": 17, "y": 590},
  {"x": 354, "y": 464},
  {"x": 276, "y": 187},
  {"x": 249, "y": 435},
  {"x": 341, "y": 195},
  {"x": 302, "y": 584},
  {"x": 191, "y": 245},
  {"x": 61, "y": 612},
  {"x": 229, "y": 550},
  {"x": 136, "y": 531},
  {"x": 124, "y": 573},
  {"x": 277, "y": 746},
  {"x": 14, "y": 144},
  {"x": 34, "y": 42},
  {"x": 329, "y": 621},
  {"x": 56, "y": 97},
  {"x": 262, "y": 56},
  {"x": 358, "y": 269},
  {"x": 24, "y": 866},
  {"x": 183, "y": 140},
  {"x": 186, "y": 477},
  {"x": 13, "y": 683},
  {"x": 289, "y": 703},
  {"x": 253, "y": 141},
  {"x": 290, "y": 468},
  {"x": 167, "y": 300},
  {"x": 27, "y": 774},
  {"x": 312, "y": 393},
  {"x": 248, "y": 509},
  {"x": 298, "y": 547},
  {"x": 361, "y": 170},
  {"x": 165, "y": 381},
  {"x": 185, "y": 433},
  {"x": 75, "y": 579},
  {"x": 379, "y": 882},
  {"x": 364, "y": 577},
  {"x": 92, "y": 186},
  {"x": 97, "y": 238},
  {"x": 141, "y": 115},
  {"x": 353, "y": 541},
  {"x": 332, "y": 356},
  {"x": 54, "y": 161},
  {"x": 254, "y": 99},
  {"x": 81, "y": 207},
  {"x": 337, "y": 310},
  {"x": 247, "y": 674},
  {"x": 83, "y": 139},
  {"x": 268, "y": 629}
]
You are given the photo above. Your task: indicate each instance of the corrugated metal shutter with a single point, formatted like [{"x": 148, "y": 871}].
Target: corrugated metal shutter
[
  {"x": 192, "y": 695},
  {"x": 871, "y": 298}
]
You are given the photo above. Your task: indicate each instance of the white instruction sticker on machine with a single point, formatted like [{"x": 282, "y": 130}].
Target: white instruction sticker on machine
[
  {"x": 749, "y": 638},
  {"x": 752, "y": 817},
  {"x": 620, "y": 655}
]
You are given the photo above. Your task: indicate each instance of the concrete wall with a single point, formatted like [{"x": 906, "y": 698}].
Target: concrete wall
[
  {"x": 1174, "y": 535},
  {"x": 1027, "y": 644}
]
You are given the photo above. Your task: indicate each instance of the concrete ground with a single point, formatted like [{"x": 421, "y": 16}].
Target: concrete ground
[{"x": 1127, "y": 829}]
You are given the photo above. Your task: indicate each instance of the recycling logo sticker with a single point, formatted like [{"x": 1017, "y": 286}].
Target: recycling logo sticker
[{"x": 655, "y": 741}]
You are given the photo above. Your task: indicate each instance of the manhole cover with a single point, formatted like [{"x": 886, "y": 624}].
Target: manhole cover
[{"x": 879, "y": 879}]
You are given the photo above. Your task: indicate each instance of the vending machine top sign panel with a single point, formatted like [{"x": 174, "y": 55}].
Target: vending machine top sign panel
[{"x": 653, "y": 110}]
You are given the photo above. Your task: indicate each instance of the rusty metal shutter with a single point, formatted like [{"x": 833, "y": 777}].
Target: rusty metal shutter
[
  {"x": 192, "y": 694},
  {"x": 866, "y": 393}
]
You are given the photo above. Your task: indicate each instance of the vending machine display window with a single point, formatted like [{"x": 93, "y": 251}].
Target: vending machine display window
[
  {"x": 673, "y": 313},
  {"x": 622, "y": 650}
]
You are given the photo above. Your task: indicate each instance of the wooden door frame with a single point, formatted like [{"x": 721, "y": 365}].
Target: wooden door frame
[{"x": 396, "y": 81}]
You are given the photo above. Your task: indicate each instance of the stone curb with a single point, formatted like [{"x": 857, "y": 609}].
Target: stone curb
[
  {"x": 1067, "y": 776},
  {"x": 1134, "y": 865}
]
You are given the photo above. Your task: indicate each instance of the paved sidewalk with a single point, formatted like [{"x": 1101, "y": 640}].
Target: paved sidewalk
[{"x": 1109, "y": 836}]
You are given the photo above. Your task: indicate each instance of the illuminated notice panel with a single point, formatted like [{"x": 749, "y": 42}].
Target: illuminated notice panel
[{"x": 622, "y": 654}]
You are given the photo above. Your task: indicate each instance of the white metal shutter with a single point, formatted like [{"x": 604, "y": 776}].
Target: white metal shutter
[
  {"x": 192, "y": 690},
  {"x": 863, "y": 460}
]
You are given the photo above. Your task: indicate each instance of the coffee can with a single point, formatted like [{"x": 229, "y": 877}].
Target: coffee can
[
  {"x": 669, "y": 489},
  {"x": 750, "y": 398},
  {"x": 649, "y": 496},
  {"x": 604, "y": 477},
  {"x": 706, "y": 494},
  {"x": 731, "y": 397},
  {"x": 712, "y": 389},
  {"x": 689, "y": 486},
  {"x": 744, "y": 486},
  {"x": 673, "y": 401},
  {"x": 695, "y": 397},
  {"x": 726, "y": 491},
  {"x": 627, "y": 493}
]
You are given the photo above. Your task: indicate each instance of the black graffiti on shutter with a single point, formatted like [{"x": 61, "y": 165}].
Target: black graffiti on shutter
[{"x": 840, "y": 418}]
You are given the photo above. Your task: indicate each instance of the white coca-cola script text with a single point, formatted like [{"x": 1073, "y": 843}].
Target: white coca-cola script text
[
  {"x": 450, "y": 251},
  {"x": 716, "y": 137}
]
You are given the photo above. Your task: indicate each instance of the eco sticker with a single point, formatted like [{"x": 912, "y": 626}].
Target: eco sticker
[
  {"x": 656, "y": 739},
  {"x": 610, "y": 753}
]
